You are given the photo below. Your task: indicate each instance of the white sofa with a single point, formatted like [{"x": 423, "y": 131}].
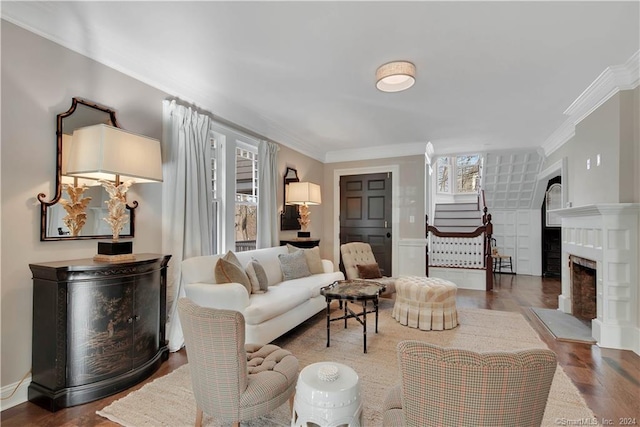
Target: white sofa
[{"x": 267, "y": 316}]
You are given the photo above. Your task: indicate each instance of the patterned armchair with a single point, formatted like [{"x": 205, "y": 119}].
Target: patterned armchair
[
  {"x": 454, "y": 387},
  {"x": 355, "y": 254},
  {"x": 231, "y": 381}
]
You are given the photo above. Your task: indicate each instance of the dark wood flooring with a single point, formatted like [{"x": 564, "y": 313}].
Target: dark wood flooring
[{"x": 608, "y": 379}]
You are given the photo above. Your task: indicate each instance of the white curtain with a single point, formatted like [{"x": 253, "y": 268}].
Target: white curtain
[
  {"x": 187, "y": 228},
  {"x": 267, "y": 191}
]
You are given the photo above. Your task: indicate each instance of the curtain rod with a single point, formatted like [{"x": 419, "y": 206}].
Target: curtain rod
[{"x": 220, "y": 120}]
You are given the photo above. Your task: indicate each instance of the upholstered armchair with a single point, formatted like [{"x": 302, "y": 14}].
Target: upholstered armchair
[
  {"x": 231, "y": 381},
  {"x": 360, "y": 263},
  {"x": 454, "y": 387}
]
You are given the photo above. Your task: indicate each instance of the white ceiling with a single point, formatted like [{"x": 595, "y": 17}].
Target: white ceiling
[{"x": 490, "y": 75}]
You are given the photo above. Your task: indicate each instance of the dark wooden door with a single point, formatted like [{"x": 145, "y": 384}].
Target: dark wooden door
[{"x": 365, "y": 214}]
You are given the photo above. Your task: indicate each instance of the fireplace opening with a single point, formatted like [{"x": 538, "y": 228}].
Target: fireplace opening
[{"x": 583, "y": 288}]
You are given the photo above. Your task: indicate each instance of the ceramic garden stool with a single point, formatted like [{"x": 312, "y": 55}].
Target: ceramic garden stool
[
  {"x": 427, "y": 303},
  {"x": 327, "y": 394}
]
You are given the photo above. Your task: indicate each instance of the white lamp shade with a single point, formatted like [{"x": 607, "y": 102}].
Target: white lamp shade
[
  {"x": 303, "y": 193},
  {"x": 103, "y": 151}
]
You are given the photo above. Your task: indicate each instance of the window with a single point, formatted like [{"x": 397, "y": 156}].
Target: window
[
  {"x": 234, "y": 167},
  {"x": 444, "y": 167},
  {"x": 466, "y": 170},
  {"x": 553, "y": 200},
  {"x": 467, "y": 173},
  {"x": 246, "y": 206}
]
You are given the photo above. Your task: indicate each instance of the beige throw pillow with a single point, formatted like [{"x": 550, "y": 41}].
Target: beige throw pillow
[
  {"x": 314, "y": 262},
  {"x": 229, "y": 270},
  {"x": 257, "y": 277}
]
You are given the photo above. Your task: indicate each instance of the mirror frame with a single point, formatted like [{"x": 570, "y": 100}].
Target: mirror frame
[
  {"x": 290, "y": 213},
  {"x": 44, "y": 205}
]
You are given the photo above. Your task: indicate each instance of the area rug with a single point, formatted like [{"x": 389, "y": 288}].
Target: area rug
[
  {"x": 168, "y": 401},
  {"x": 563, "y": 326}
]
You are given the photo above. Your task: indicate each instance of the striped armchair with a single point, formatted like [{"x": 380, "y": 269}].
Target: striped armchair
[
  {"x": 454, "y": 387},
  {"x": 231, "y": 381}
]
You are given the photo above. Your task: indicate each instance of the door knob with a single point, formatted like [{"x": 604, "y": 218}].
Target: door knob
[{"x": 388, "y": 234}]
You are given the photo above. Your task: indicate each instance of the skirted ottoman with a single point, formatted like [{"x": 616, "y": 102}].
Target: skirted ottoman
[{"x": 428, "y": 303}]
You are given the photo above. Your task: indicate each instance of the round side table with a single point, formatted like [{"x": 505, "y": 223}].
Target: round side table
[{"x": 327, "y": 394}]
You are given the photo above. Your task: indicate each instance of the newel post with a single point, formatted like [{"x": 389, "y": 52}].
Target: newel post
[
  {"x": 426, "y": 235},
  {"x": 488, "y": 262}
]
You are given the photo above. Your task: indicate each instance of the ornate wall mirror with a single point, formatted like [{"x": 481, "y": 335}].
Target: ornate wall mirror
[
  {"x": 52, "y": 226},
  {"x": 290, "y": 215}
]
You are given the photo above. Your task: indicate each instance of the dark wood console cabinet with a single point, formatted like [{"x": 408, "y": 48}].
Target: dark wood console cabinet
[{"x": 98, "y": 328}]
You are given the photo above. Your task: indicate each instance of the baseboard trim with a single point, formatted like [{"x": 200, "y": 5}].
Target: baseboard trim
[{"x": 20, "y": 396}]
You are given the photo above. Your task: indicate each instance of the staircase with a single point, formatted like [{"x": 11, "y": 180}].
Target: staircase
[{"x": 457, "y": 217}]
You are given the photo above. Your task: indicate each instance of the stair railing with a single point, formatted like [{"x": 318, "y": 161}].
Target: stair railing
[{"x": 461, "y": 249}]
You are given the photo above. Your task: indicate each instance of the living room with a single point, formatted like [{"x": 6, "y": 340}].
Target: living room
[{"x": 40, "y": 77}]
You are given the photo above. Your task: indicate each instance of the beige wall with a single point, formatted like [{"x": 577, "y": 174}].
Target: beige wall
[
  {"x": 39, "y": 78},
  {"x": 411, "y": 197},
  {"x": 309, "y": 170},
  {"x": 611, "y": 131}
]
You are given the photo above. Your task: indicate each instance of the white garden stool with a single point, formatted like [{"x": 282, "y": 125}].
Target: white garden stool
[
  {"x": 427, "y": 303},
  {"x": 327, "y": 394}
]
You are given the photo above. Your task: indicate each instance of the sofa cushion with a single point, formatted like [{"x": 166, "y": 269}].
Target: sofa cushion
[
  {"x": 312, "y": 255},
  {"x": 294, "y": 265},
  {"x": 257, "y": 277},
  {"x": 314, "y": 282},
  {"x": 277, "y": 301},
  {"x": 228, "y": 270}
]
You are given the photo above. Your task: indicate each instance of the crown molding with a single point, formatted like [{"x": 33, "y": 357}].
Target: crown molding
[
  {"x": 565, "y": 132},
  {"x": 379, "y": 152},
  {"x": 611, "y": 81}
]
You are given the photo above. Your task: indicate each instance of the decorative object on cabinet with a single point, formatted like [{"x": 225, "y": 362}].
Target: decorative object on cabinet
[
  {"x": 304, "y": 194},
  {"x": 76, "y": 208},
  {"x": 82, "y": 113},
  {"x": 97, "y": 328},
  {"x": 117, "y": 159},
  {"x": 304, "y": 243},
  {"x": 290, "y": 215}
]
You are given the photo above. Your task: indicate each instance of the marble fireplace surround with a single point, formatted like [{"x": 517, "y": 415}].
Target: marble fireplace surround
[{"x": 609, "y": 235}]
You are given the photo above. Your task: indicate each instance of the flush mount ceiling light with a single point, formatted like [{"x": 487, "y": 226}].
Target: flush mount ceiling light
[{"x": 395, "y": 76}]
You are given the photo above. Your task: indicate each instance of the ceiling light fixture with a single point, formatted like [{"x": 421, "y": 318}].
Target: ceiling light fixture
[{"x": 395, "y": 76}]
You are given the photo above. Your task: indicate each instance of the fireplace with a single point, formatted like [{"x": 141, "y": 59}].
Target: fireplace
[
  {"x": 601, "y": 243},
  {"x": 583, "y": 287}
]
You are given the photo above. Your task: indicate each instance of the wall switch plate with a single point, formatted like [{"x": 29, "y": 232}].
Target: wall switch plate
[
  {"x": 412, "y": 219},
  {"x": 597, "y": 159},
  {"x": 588, "y": 164}
]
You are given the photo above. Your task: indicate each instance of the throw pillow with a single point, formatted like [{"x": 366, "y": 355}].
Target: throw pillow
[
  {"x": 369, "y": 271},
  {"x": 294, "y": 265},
  {"x": 257, "y": 277},
  {"x": 226, "y": 271},
  {"x": 231, "y": 257},
  {"x": 314, "y": 262}
]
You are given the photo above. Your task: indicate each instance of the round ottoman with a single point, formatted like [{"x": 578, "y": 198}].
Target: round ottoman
[
  {"x": 327, "y": 394},
  {"x": 428, "y": 303}
]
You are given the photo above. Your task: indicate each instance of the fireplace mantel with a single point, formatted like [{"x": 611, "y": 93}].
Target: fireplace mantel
[
  {"x": 609, "y": 235},
  {"x": 601, "y": 209}
]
